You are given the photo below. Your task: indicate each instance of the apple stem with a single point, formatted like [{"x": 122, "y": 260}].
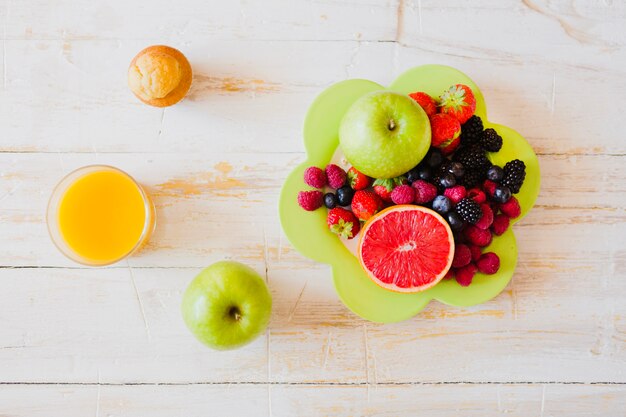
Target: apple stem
[
  {"x": 391, "y": 125},
  {"x": 235, "y": 313}
]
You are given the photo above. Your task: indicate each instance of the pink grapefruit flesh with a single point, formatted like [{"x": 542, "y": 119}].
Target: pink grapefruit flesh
[{"x": 406, "y": 248}]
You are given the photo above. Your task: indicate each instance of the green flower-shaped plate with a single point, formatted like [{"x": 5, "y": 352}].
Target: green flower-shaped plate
[{"x": 309, "y": 234}]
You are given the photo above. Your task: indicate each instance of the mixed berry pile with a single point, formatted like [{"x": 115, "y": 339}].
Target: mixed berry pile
[{"x": 456, "y": 179}]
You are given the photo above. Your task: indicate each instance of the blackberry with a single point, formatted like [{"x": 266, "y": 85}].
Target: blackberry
[
  {"x": 472, "y": 131},
  {"x": 491, "y": 141},
  {"x": 514, "y": 174},
  {"x": 472, "y": 178},
  {"x": 469, "y": 210},
  {"x": 472, "y": 157}
]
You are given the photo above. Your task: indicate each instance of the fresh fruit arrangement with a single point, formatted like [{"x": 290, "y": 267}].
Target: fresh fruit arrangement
[
  {"x": 453, "y": 184},
  {"x": 360, "y": 288}
]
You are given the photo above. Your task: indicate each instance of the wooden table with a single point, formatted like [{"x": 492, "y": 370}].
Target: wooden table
[{"x": 78, "y": 341}]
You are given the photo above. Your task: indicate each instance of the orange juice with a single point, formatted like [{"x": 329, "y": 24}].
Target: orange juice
[{"x": 102, "y": 215}]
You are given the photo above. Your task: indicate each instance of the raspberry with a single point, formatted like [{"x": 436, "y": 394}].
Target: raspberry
[
  {"x": 477, "y": 195},
  {"x": 500, "y": 224},
  {"x": 511, "y": 208},
  {"x": 489, "y": 187},
  {"x": 310, "y": 200},
  {"x": 462, "y": 256},
  {"x": 465, "y": 275},
  {"x": 403, "y": 194},
  {"x": 449, "y": 274},
  {"x": 476, "y": 236},
  {"x": 315, "y": 177},
  {"x": 456, "y": 193},
  {"x": 489, "y": 263},
  {"x": 487, "y": 219},
  {"x": 476, "y": 252},
  {"x": 336, "y": 176},
  {"x": 425, "y": 192}
]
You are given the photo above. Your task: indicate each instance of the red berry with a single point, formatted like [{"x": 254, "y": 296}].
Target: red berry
[
  {"x": 358, "y": 180},
  {"x": 403, "y": 194},
  {"x": 511, "y": 208},
  {"x": 310, "y": 200},
  {"x": 477, "y": 195},
  {"x": 458, "y": 101},
  {"x": 487, "y": 218},
  {"x": 489, "y": 187},
  {"x": 476, "y": 252},
  {"x": 465, "y": 274},
  {"x": 449, "y": 274},
  {"x": 343, "y": 223},
  {"x": 456, "y": 193},
  {"x": 462, "y": 256},
  {"x": 445, "y": 132},
  {"x": 476, "y": 236},
  {"x": 336, "y": 176},
  {"x": 365, "y": 204},
  {"x": 500, "y": 224},
  {"x": 427, "y": 102},
  {"x": 425, "y": 192},
  {"x": 314, "y": 177},
  {"x": 384, "y": 187},
  {"x": 489, "y": 263}
]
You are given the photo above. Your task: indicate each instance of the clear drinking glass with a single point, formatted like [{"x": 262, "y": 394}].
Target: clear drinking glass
[{"x": 53, "y": 215}]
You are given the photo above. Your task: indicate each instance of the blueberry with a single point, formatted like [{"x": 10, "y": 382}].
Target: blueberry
[
  {"x": 455, "y": 221},
  {"x": 495, "y": 173},
  {"x": 344, "y": 195},
  {"x": 502, "y": 194},
  {"x": 457, "y": 169},
  {"x": 330, "y": 200},
  {"x": 413, "y": 175},
  {"x": 425, "y": 173},
  {"x": 433, "y": 157},
  {"x": 442, "y": 204},
  {"x": 447, "y": 180}
]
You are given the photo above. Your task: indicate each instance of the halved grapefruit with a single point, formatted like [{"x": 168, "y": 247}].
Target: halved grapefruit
[{"x": 406, "y": 248}]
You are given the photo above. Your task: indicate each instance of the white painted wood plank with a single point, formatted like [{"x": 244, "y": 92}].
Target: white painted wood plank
[
  {"x": 87, "y": 325},
  {"x": 72, "y": 96},
  {"x": 192, "y": 20},
  {"x": 278, "y": 401},
  {"x": 209, "y": 206}
]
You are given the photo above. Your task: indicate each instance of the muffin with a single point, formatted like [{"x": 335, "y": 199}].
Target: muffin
[{"x": 159, "y": 76}]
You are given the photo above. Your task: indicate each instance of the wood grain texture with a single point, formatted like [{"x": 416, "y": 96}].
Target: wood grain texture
[{"x": 76, "y": 341}]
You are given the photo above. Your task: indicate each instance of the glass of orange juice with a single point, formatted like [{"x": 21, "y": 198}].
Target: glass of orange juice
[{"x": 99, "y": 215}]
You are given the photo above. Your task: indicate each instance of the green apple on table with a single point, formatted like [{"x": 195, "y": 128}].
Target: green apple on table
[
  {"x": 384, "y": 134},
  {"x": 227, "y": 305}
]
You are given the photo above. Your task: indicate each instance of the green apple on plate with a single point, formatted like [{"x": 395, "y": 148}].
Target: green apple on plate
[
  {"x": 384, "y": 134},
  {"x": 227, "y": 305}
]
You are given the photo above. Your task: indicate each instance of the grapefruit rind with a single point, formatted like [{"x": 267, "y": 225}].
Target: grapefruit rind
[
  {"x": 394, "y": 209},
  {"x": 308, "y": 233}
]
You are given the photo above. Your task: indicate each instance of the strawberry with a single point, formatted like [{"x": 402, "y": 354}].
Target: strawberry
[
  {"x": 358, "y": 180},
  {"x": 343, "y": 223},
  {"x": 427, "y": 102},
  {"x": 445, "y": 132},
  {"x": 365, "y": 204},
  {"x": 384, "y": 187},
  {"x": 458, "y": 101}
]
